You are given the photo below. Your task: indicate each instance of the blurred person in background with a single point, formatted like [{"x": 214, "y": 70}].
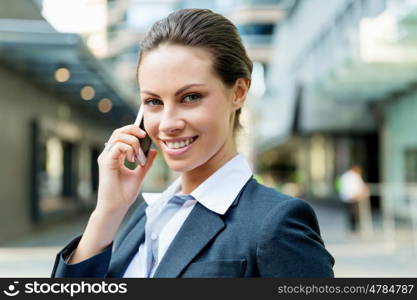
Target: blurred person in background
[
  {"x": 215, "y": 220},
  {"x": 352, "y": 190}
]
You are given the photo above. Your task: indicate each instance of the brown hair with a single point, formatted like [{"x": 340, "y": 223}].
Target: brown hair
[{"x": 205, "y": 29}]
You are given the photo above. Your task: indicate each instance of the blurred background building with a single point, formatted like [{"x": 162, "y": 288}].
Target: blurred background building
[
  {"x": 334, "y": 84},
  {"x": 59, "y": 103},
  {"x": 343, "y": 84}
]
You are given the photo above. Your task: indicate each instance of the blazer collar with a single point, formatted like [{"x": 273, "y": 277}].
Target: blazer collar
[
  {"x": 251, "y": 180},
  {"x": 122, "y": 256},
  {"x": 201, "y": 226}
]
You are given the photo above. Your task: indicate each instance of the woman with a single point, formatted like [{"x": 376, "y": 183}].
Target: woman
[{"x": 194, "y": 76}]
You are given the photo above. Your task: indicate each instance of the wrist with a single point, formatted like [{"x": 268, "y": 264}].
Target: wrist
[
  {"x": 102, "y": 228},
  {"x": 110, "y": 212}
]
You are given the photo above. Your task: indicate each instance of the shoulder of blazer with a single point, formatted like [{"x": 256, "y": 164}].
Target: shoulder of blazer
[
  {"x": 255, "y": 190},
  {"x": 259, "y": 200}
]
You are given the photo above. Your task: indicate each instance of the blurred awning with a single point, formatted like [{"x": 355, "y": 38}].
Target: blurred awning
[
  {"x": 291, "y": 109},
  {"x": 35, "y": 50}
]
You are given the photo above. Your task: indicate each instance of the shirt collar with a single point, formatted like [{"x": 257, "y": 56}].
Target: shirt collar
[
  {"x": 217, "y": 192},
  {"x": 153, "y": 198}
]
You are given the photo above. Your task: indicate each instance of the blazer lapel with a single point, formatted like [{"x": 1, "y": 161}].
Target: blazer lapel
[
  {"x": 122, "y": 257},
  {"x": 199, "y": 228}
]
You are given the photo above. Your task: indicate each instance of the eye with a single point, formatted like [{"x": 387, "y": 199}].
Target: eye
[
  {"x": 192, "y": 98},
  {"x": 152, "y": 102}
]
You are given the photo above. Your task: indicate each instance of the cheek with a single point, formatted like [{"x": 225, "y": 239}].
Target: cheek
[
  {"x": 219, "y": 114},
  {"x": 205, "y": 119},
  {"x": 151, "y": 125},
  {"x": 213, "y": 124}
]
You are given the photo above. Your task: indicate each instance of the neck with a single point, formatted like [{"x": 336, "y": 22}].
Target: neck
[{"x": 192, "y": 179}]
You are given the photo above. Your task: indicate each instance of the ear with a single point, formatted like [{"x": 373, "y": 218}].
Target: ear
[{"x": 240, "y": 90}]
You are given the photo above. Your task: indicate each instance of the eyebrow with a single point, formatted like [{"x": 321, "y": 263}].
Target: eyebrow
[{"x": 179, "y": 91}]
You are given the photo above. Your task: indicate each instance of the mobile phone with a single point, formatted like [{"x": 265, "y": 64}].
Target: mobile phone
[{"x": 146, "y": 142}]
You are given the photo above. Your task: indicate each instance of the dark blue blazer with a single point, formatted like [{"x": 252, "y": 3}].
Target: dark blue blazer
[{"x": 263, "y": 234}]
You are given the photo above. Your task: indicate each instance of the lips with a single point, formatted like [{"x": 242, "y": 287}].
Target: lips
[
  {"x": 178, "y": 146},
  {"x": 180, "y": 143}
]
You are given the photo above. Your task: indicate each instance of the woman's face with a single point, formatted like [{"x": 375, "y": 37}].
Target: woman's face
[{"x": 187, "y": 108}]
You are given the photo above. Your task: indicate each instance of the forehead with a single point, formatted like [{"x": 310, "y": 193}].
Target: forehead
[{"x": 170, "y": 65}]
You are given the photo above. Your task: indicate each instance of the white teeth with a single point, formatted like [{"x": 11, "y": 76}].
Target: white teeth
[{"x": 177, "y": 145}]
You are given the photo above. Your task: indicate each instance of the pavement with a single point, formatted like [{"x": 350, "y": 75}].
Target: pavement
[
  {"x": 33, "y": 255},
  {"x": 378, "y": 254},
  {"x": 356, "y": 256}
]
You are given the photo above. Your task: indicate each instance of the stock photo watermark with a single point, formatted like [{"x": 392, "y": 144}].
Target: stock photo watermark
[{"x": 72, "y": 288}]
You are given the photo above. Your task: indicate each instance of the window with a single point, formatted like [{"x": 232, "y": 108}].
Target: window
[{"x": 63, "y": 179}]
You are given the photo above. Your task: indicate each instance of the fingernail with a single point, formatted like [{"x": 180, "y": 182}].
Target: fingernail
[
  {"x": 141, "y": 157},
  {"x": 142, "y": 132},
  {"x": 137, "y": 160}
]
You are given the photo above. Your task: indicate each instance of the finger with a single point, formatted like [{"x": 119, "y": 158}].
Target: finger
[
  {"x": 127, "y": 139},
  {"x": 121, "y": 151},
  {"x": 141, "y": 158},
  {"x": 130, "y": 129}
]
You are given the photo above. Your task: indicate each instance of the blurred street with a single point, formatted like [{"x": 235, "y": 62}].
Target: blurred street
[
  {"x": 34, "y": 255},
  {"x": 366, "y": 257}
]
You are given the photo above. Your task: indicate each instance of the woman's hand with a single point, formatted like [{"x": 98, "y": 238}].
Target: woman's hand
[
  {"x": 118, "y": 185},
  {"x": 118, "y": 188}
]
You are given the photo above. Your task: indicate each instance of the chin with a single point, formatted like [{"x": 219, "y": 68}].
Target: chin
[{"x": 180, "y": 166}]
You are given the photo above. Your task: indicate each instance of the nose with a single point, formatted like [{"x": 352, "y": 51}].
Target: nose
[{"x": 171, "y": 121}]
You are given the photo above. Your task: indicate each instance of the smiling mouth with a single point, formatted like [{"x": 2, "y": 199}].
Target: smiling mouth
[{"x": 181, "y": 144}]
